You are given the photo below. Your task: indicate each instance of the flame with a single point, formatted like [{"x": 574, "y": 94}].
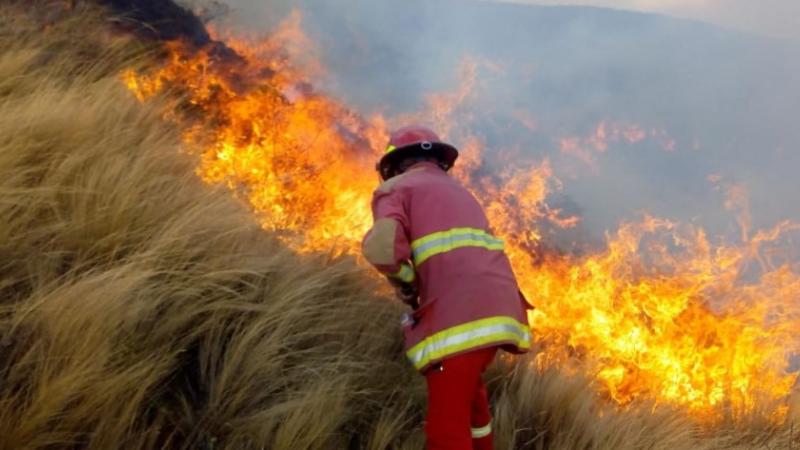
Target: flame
[
  {"x": 663, "y": 313},
  {"x": 605, "y": 134},
  {"x": 274, "y": 141}
]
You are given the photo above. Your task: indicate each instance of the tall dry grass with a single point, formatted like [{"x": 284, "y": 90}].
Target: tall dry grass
[{"x": 140, "y": 308}]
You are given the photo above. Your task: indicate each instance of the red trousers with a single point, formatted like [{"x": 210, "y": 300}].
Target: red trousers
[{"x": 458, "y": 407}]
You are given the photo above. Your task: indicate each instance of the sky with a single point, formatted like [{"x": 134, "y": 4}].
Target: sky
[{"x": 776, "y": 18}]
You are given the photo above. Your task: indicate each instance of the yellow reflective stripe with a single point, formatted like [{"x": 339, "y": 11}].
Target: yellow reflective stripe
[
  {"x": 405, "y": 274},
  {"x": 422, "y": 257},
  {"x": 482, "y": 432},
  {"x": 440, "y": 234},
  {"x": 469, "y": 335},
  {"x": 445, "y": 241},
  {"x": 390, "y": 149}
]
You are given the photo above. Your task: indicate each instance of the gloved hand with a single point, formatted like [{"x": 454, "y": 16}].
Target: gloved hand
[{"x": 408, "y": 294}]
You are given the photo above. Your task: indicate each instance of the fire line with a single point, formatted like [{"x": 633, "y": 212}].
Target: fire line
[{"x": 661, "y": 314}]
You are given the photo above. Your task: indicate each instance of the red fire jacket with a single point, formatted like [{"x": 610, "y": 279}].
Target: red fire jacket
[{"x": 431, "y": 230}]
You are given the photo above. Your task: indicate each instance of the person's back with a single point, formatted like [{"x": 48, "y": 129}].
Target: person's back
[
  {"x": 432, "y": 239},
  {"x": 463, "y": 275}
]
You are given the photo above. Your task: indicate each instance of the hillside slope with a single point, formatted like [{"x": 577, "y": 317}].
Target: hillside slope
[{"x": 143, "y": 309}]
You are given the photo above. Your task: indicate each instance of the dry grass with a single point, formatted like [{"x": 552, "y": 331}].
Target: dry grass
[
  {"x": 143, "y": 309},
  {"x": 140, "y": 307}
]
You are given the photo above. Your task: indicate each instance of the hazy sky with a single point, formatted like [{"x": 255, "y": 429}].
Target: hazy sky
[{"x": 771, "y": 17}]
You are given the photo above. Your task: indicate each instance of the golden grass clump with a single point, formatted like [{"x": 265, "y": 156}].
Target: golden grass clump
[{"x": 142, "y": 309}]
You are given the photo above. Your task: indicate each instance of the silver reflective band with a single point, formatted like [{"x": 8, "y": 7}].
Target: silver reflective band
[
  {"x": 426, "y": 145},
  {"x": 451, "y": 344},
  {"x": 481, "y": 432}
]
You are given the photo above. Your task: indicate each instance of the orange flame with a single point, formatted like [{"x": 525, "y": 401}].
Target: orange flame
[
  {"x": 605, "y": 134},
  {"x": 663, "y": 313}
]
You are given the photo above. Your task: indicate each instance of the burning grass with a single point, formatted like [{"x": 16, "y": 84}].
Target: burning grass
[{"x": 142, "y": 308}]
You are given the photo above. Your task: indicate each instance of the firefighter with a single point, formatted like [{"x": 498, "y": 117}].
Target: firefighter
[{"x": 431, "y": 238}]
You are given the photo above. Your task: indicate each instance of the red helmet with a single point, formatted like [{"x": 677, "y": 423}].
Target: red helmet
[{"x": 414, "y": 141}]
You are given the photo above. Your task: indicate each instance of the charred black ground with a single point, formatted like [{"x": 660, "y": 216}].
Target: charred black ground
[{"x": 160, "y": 19}]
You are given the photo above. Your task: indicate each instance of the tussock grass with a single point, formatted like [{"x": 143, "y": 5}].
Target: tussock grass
[
  {"x": 142, "y": 309},
  {"x": 543, "y": 409}
]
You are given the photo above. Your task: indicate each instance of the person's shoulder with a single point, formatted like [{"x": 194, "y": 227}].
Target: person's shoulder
[
  {"x": 406, "y": 179},
  {"x": 389, "y": 185}
]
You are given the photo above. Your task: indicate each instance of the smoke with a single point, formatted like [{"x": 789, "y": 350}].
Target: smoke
[
  {"x": 159, "y": 20},
  {"x": 636, "y": 112},
  {"x": 779, "y": 18}
]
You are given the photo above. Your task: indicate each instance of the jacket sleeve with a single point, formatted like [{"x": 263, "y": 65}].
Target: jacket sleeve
[{"x": 386, "y": 244}]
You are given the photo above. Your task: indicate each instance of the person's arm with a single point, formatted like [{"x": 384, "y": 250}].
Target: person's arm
[{"x": 386, "y": 244}]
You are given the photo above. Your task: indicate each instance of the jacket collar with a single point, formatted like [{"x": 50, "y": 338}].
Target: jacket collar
[{"x": 425, "y": 165}]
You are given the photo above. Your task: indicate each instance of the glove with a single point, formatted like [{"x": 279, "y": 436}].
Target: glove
[{"x": 408, "y": 294}]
